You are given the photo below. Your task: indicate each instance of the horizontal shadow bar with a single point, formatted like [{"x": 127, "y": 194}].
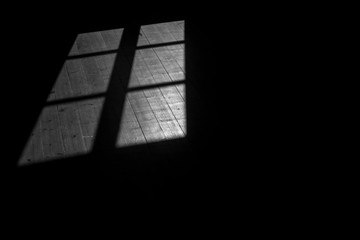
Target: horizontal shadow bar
[
  {"x": 161, "y": 44},
  {"x": 155, "y": 85},
  {"x": 94, "y": 54},
  {"x": 85, "y": 55},
  {"x": 75, "y": 99}
]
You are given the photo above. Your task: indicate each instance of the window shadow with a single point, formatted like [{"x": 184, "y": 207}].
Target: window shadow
[
  {"x": 129, "y": 80},
  {"x": 105, "y": 158}
]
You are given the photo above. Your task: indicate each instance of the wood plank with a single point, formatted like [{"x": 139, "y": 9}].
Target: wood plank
[
  {"x": 145, "y": 115},
  {"x": 78, "y": 82},
  {"x": 148, "y": 28},
  {"x": 162, "y": 78},
  {"x": 135, "y": 136},
  {"x": 147, "y": 54},
  {"x": 70, "y": 130},
  {"x": 177, "y": 30},
  {"x": 142, "y": 73},
  {"x": 152, "y": 131},
  {"x": 177, "y": 76},
  {"x": 161, "y": 28},
  {"x": 154, "y": 37},
  {"x": 74, "y": 49},
  {"x": 142, "y": 40},
  {"x": 108, "y": 60},
  {"x": 139, "y": 104},
  {"x": 112, "y": 38},
  {"x": 96, "y": 83},
  {"x": 150, "y": 68},
  {"x": 155, "y": 67},
  {"x": 157, "y": 102},
  {"x": 88, "y": 122},
  {"x": 171, "y": 129},
  {"x": 60, "y": 89},
  {"x": 97, "y": 42},
  {"x": 167, "y": 37},
  {"x": 182, "y": 123},
  {"x": 134, "y": 80},
  {"x": 90, "y": 43},
  {"x": 139, "y": 71},
  {"x": 50, "y": 133},
  {"x": 152, "y": 92},
  {"x": 131, "y": 137},
  {"x": 181, "y": 24},
  {"x": 27, "y": 154},
  {"x": 163, "y": 53},
  {"x": 89, "y": 65},
  {"x": 88, "y": 119},
  {"x": 171, "y": 66},
  {"x": 164, "y": 114},
  {"x": 93, "y": 75},
  {"x": 33, "y": 150},
  {"x": 89, "y": 141},
  {"x": 101, "y": 64},
  {"x": 83, "y": 43},
  {"x": 89, "y": 115},
  {"x": 177, "y": 53},
  {"x": 38, "y": 153},
  {"x": 97, "y": 104},
  {"x": 164, "y": 32},
  {"x": 130, "y": 133},
  {"x": 73, "y": 65},
  {"x": 62, "y": 85},
  {"x": 172, "y": 58},
  {"x": 181, "y": 88},
  {"x": 171, "y": 94},
  {"x": 52, "y": 95},
  {"x": 178, "y": 109},
  {"x": 104, "y": 70},
  {"x": 178, "y": 35},
  {"x": 147, "y": 81},
  {"x": 128, "y": 114}
]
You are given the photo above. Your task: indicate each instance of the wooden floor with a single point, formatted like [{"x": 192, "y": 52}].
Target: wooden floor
[{"x": 154, "y": 107}]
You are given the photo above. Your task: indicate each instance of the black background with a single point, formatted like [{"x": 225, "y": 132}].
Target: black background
[{"x": 249, "y": 150}]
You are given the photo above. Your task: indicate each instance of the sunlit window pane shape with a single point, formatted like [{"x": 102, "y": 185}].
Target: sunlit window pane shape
[
  {"x": 94, "y": 42},
  {"x": 162, "y": 33},
  {"x": 155, "y": 104},
  {"x": 67, "y": 124},
  {"x": 152, "y": 115},
  {"x": 63, "y": 130}
]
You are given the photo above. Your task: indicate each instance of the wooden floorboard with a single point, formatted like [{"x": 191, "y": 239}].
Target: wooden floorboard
[
  {"x": 150, "y": 114},
  {"x": 51, "y": 134},
  {"x": 71, "y": 132}
]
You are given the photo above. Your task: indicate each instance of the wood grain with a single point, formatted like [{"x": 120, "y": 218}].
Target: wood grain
[{"x": 150, "y": 114}]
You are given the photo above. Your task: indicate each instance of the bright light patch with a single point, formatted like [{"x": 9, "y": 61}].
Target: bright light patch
[
  {"x": 67, "y": 124},
  {"x": 154, "y": 107},
  {"x": 96, "y": 42},
  {"x": 153, "y": 115},
  {"x": 156, "y": 112}
]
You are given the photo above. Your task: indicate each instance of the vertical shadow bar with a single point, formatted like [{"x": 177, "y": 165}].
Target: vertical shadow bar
[{"x": 109, "y": 122}]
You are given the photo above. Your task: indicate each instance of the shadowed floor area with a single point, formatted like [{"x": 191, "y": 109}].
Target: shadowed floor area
[
  {"x": 150, "y": 83},
  {"x": 197, "y": 112}
]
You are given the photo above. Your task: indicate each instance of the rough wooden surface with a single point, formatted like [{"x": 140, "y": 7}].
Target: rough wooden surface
[{"x": 154, "y": 108}]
